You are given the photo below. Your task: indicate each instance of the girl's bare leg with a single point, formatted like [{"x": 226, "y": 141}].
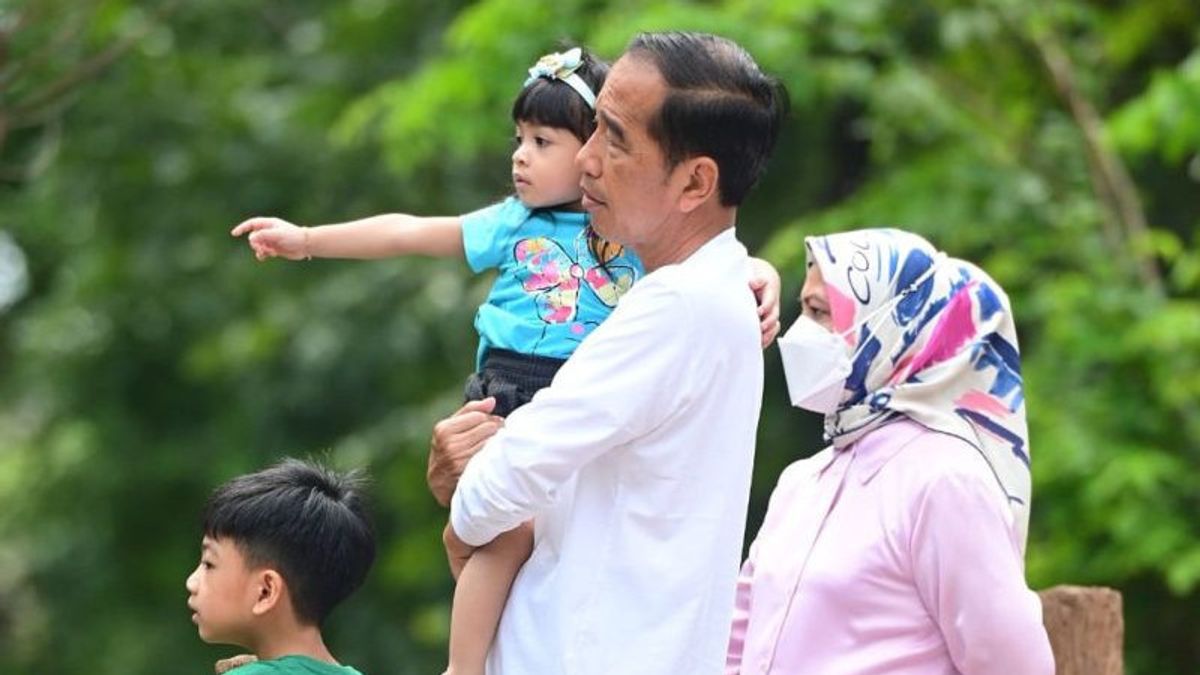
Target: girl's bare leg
[{"x": 480, "y": 596}]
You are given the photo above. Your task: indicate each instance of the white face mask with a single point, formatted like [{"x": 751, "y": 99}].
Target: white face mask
[{"x": 816, "y": 363}]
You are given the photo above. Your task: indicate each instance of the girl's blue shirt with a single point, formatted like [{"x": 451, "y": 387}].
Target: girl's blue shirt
[{"x": 550, "y": 290}]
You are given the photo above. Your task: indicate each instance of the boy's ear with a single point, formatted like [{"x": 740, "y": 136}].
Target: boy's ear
[
  {"x": 700, "y": 182},
  {"x": 270, "y": 590}
]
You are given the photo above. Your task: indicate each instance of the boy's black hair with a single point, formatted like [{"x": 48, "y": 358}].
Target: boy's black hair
[
  {"x": 304, "y": 520},
  {"x": 718, "y": 104},
  {"x": 554, "y": 103}
]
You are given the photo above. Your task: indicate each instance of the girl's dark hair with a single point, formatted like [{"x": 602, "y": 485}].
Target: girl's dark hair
[{"x": 554, "y": 103}]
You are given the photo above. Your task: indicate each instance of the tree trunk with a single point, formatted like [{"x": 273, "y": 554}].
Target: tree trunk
[{"x": 1087, "y": 631}]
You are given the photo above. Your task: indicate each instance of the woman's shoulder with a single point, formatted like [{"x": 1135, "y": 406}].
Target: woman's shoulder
[
  {"x": 909, "y": 444},
  {"x": 952, "y": 455},
  {"x": 940, "y": 467}
]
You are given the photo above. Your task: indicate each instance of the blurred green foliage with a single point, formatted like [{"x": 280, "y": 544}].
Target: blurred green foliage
[{"x": 145, "y": 356}]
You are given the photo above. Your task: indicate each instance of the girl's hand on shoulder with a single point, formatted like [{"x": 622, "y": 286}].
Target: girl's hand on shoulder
[
  {"x": 765, "y": 283},
  {"x": 274, "y": 237}
]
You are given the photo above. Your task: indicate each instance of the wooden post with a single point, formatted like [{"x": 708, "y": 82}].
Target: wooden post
[{"x": 1086, "y": 628}]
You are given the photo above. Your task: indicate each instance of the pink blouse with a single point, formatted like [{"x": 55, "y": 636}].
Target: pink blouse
[{"x": 897, "y": 555}]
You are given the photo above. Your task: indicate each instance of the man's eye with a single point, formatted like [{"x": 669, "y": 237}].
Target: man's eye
[{"x": 541, "y": 142}]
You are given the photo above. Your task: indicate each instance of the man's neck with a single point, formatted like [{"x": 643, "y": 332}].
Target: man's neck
[
  {"x": 298, "y": 641},
  {"x": 680, "y": 241}
]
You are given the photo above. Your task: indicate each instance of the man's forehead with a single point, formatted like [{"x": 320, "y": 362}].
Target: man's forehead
[{"x": 633, "y": 89}]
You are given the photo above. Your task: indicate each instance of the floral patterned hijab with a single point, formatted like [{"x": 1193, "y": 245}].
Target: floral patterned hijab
[{"x": 941, "y": 349}]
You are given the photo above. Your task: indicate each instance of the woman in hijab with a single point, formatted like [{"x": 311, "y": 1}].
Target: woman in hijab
[{"x": 899, "y": 548}]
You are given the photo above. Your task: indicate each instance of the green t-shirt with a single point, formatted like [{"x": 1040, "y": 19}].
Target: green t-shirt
[{"x": 292, "y": 665}]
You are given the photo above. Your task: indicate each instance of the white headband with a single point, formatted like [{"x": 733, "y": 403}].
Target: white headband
[{"x": 562, "y": 66}]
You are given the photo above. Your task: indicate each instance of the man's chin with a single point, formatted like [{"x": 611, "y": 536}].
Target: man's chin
[{"x": 600, "y": 225}]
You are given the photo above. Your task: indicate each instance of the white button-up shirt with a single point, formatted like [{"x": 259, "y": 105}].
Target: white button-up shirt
[{"x": 635, "y": 467}]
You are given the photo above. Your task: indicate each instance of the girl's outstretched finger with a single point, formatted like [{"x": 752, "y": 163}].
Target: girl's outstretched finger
[{"x": 250, "y": 225}]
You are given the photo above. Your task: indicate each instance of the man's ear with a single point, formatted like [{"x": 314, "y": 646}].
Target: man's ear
[
  {"x": 270, "y": 588},
  {"x": 701, "y": 182}
]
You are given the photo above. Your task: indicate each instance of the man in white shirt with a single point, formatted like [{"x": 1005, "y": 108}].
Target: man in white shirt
[{"x": 635, "y": 463}]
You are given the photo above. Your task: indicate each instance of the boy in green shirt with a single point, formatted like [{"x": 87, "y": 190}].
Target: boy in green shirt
[{"x": 281, "y": 548}]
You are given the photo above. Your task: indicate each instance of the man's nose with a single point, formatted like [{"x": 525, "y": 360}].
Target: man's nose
[
  {"x": 585, "y": 160},
  {"x": 518, "y": 156},
  {"x": 191, "y": 582}
]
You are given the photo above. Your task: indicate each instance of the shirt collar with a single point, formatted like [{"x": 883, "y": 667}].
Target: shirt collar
[
  {"x": 881, "y": 445},
  {"x": 720, "y": 240}
]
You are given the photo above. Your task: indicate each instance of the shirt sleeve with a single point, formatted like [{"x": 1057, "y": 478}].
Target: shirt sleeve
[
  {"x": 969, "y": 574},
  {"x": 622, "y": 382},
  {"x": 780, "y": 506},
  {"x": 741, "y": 613},
  {"x": 487, "y": 231}
]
